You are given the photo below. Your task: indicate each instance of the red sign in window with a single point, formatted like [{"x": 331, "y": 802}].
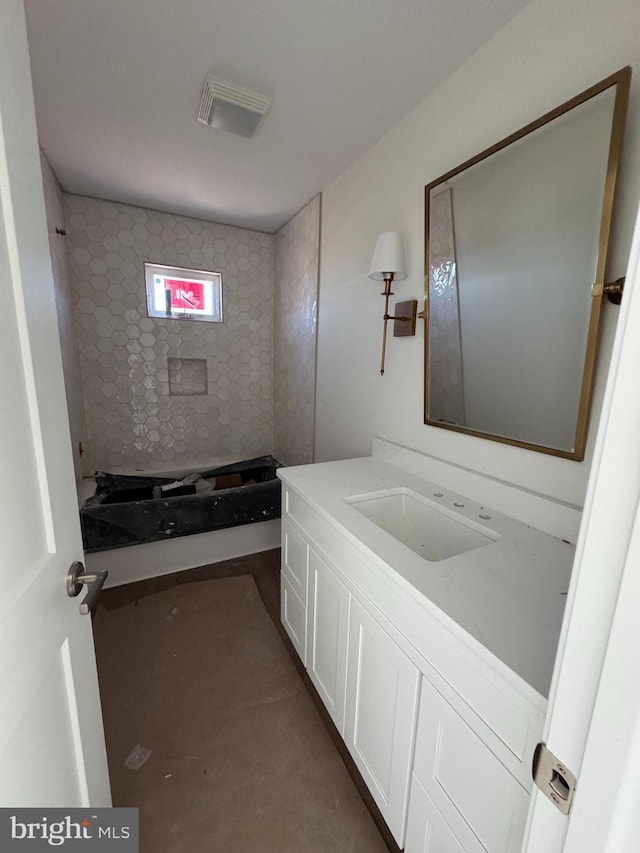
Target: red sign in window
[
  {"x": 186, "y": 295},
  {"x": 181, "y": 293}
]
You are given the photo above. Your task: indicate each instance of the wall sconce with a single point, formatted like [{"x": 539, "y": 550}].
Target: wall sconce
[{"x": 389, "y": 262}]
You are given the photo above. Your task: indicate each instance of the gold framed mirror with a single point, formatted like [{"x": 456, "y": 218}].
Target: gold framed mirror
[{"x": 516, "y": 243}]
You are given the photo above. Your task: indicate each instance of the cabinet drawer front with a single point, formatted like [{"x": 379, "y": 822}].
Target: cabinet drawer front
[
  {"x": 293, "y": 615},
  {"x": 327, "y": 630},
  {"x": 426, "y": 830},
  {"x": 382, "y": 693},
  {"x": 476, "y": 795},
  {"x": 295, "y": 559}
]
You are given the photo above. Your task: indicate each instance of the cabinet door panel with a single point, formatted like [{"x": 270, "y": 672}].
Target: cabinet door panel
[
  {"x": 293, "y": 615},
  {"x": 426, "y": 830},
  {"x": 328, "y": 624},
  {"x": 295, "y": 558},
  {"x": 382, "y": 693},
  {"x": 479, "y": 799}
]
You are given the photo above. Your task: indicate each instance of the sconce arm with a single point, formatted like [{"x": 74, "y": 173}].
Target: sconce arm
[{"x": 402, "y": 319}]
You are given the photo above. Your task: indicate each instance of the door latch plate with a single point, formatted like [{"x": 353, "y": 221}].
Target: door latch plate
[{"x": 553, "y": 778}]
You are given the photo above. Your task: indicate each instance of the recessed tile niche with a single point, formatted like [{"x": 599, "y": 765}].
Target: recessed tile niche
[{"x": 187, "y": 376}]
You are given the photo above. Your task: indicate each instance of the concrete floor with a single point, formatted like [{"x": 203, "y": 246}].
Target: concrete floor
[{"x": 192, "y": 667}]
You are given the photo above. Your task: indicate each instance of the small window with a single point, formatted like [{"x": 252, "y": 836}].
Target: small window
[{"x": 183, "y": 294}]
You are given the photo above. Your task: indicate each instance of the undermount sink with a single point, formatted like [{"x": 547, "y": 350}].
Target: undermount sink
[{"x": 432, "y": 531}]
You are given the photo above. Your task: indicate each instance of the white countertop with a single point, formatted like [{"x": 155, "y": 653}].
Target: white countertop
[{"x": 509, "y": 594}]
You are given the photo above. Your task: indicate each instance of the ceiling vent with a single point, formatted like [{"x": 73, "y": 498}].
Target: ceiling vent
[{"x": 230, "y": 107}]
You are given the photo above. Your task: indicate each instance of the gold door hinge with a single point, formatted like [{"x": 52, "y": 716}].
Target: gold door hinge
[{"x": 612, "y": 289}]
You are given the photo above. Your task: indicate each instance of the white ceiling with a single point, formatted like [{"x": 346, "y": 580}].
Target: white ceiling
[{"x": 117, "y": 86}]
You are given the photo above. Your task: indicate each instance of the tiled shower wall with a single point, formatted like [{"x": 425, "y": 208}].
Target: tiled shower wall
[
  {"x": 64, "y": 307},
  {"x": 132, "y": 419},
  {"x": 296, "y": 300}
]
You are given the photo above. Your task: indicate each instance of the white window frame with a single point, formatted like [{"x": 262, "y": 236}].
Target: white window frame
[{"x": 210, "y": 283}]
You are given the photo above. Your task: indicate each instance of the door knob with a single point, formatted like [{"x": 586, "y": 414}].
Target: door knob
[{"x": 77, "y": 577}]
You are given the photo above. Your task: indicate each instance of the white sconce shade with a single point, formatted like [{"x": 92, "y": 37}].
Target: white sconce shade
[
  {"x": 389, "y": 263},
  {"x": 389, "y": 259}
]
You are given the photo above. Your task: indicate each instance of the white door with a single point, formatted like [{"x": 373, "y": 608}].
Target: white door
[
  {"x": 52, "y": 749},
  {"x": 604, "y": 559}
]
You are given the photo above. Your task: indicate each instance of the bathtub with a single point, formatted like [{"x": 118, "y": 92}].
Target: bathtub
[{"x": 136, "y": 531}]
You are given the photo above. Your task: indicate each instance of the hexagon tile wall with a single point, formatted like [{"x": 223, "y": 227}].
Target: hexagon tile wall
[
  {"x": 296, "y": 302},
  {"x": 131, "y": 419}
]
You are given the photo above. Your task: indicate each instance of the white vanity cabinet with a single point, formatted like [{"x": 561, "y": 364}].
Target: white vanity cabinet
[{"x": 441, "y": 729}]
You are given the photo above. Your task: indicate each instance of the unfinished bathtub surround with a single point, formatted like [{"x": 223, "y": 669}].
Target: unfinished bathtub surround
[
  {"x": 296, "y": 300},
  {"x": 132, "y": 510}
]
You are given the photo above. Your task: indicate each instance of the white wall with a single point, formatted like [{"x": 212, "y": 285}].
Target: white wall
[{"x": 547, "y": 54}]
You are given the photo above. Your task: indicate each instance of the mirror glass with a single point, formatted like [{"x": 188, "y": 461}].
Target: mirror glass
[{"x": 515, "y": 240}]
